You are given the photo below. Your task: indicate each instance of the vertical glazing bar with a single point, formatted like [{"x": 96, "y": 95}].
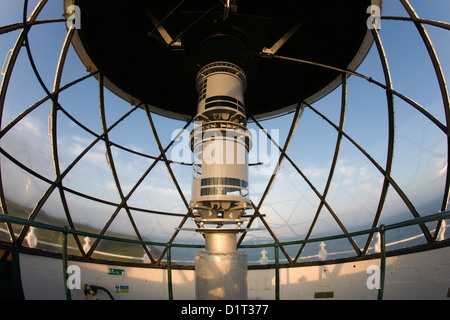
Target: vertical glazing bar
[
  {"x": 277, "y": 271},
  {"x": 64, "y": 263},
  {"x": 444, "y": 92},
  {"x": 6, "y": 76},
  {"x": 391, "y": 130},
  {"x": 382, "y": 262},
  {"x": 169, "y": 270}
]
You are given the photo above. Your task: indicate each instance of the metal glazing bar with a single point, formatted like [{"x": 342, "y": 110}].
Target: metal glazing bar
[
  {"x": 391, "y": 131},
  {"x": 320, "y": 196},
  {"x": 37, "y": 10},
  {"x": 444, "y": 92},
  {"x": 333, "y": 164},
  {"x": 172, "y": 176},
  {"x": 3, "y": 89},
  {"x": 82, "y": 126},
  {"x": 40, "y": 102},
  {"x": 146, "y": 155},
  {"x": 86, "y": 196},
  {"x": 57, "y": 182},
  {"x": 444, "y": 128},
  {"x": 411, "y": 102},
  {"x": 163, "y": 153},
  {"x": 314, "y": 64},
  {"x": 19, "y": 25},
  {"x": 113, "y": 167},
  {"x": 269, "y": 229},
  {"x": 295, "y": 121},
  {"x": 15, "y": 54},
  {"x": 53, "y": 133},
  {"x": 77, "y": 193},
  {"x": 415, "y": 105},
  {"x": 24, "y": 167},
  {"x": 105, "y": 228},
  {"x": 440, "y": 24},
  {"x": 188, "y": 215},
  {"x": 392, "y": 182}
]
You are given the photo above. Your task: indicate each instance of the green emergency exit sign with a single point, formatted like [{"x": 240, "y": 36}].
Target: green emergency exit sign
[{"x": 116, "y": 272}]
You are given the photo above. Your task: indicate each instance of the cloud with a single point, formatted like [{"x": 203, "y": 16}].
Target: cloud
[{"x": 75, "y": 145}]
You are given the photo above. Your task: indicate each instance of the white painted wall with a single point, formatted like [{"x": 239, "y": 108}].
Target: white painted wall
[{"x": 424, "y": 275}]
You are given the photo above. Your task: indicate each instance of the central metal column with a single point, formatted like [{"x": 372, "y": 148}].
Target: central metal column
[
  {"x": 221, "y": 274},
  {"x": 220, "y": 142}
]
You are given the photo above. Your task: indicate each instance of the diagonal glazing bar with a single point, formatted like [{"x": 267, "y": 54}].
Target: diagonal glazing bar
[
  {"x": 163, "y": 153},
  {"x": 338, "y": 221},
  {"x": 295, "y": 121},
  {"x": 15, "y": 53},
  {"x": 10, "y": 125},
  {"x": 57, "y": 182},
  {"x": 392, "y": 182},
  {"x": 113, "y": 167},
  {"x": 333, "y": 164},
  {"x": 411, "y": 102},
  {"x": 174, "y": 180},
  {"x": 123, "y": 202}
]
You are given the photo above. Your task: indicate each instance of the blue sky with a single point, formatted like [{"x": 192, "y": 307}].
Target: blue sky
[{"x": 420, "y": 149}]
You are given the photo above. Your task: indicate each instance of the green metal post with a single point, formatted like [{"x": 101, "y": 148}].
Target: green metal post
[
  {"x": 169, "y": 271},
  {"x": 382, "y": 231},
  {"x": 277, "y": 272},
  {"x": 64, "y": 262}
]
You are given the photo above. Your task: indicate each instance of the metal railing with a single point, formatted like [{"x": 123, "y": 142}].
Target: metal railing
[{"x": 382, "y": 229}]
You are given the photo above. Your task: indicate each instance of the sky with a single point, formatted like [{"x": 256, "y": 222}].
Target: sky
[{"x": 419, "y": 168}]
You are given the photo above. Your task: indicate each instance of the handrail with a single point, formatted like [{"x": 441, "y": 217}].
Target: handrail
[{"x": 381, "y": 229}]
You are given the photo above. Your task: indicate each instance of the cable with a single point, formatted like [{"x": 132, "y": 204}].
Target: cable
[{"x": 92, "y": 290}]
